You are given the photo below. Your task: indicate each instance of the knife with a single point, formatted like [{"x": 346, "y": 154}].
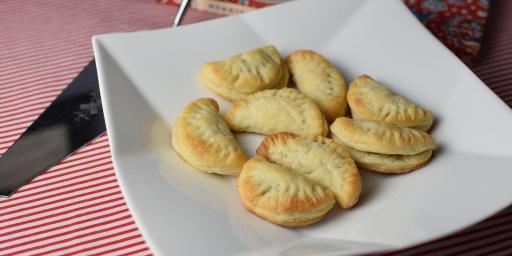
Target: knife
[{"x": 72, "y": 120}]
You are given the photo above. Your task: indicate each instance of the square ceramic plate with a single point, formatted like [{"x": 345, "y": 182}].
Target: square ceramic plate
[{"x": 147, "y": 77}]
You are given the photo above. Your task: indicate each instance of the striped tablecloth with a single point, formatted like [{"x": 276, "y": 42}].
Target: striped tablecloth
[{"x": 76, "y": 208}]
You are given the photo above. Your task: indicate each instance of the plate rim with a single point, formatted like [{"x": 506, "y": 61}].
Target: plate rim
[{"x": 99, "y": 48}]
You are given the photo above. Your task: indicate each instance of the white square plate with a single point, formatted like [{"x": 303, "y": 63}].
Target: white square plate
[{"x": 146, "y": 78}]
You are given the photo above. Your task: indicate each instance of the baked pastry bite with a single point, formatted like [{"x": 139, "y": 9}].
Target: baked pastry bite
[
  {"x": 285, "y": 77},
  {"x": 272, "y": 111},
  {"x": 282, "y": 196},
  {"x": 390, "y": 163},
  {"x": 245, "y": 73},
  {"x": 369, "y": 99},
  {"x": 318, "y": 158},
  {"x": 201, "y": 138},
  {"x": 316, "y": 77},
  {"x": 381, "y": 137}
]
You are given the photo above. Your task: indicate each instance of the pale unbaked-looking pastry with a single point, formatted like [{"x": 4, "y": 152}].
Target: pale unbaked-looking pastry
[
  {"x": 316, "y": 77},
  {"x": 390, "y": 163},
  {"x": 318, "y": 158},
  {"x": 282, "y": 196},
  {"x": 203, "y": 140},
  {"x": 245, "y": 73},
  {"x": 370, "y": 100},
  {"x": 273, "y": 111}
]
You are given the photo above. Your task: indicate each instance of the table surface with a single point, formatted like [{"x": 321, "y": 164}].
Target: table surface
[{"x": 76, "y": 208}]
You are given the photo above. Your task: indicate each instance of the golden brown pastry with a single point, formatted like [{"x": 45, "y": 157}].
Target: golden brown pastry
[
  {"x": 390, "y": 163},
  {"x": 283, "y": 81},
  {"x": 318, "y": 158},
  {"x": 202, "y": 138},
  {"x": 370, "y": 100},
  {"x": 381, "y": 137},
  {"x": 282, "y": 196},
  {"x": 272, "y": 111},
  {"x": 245, "y": 73},
  {"x": 316, "y": 77}
]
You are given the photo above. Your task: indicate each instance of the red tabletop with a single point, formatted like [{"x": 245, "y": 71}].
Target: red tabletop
[{"x": 76, "y": 208}]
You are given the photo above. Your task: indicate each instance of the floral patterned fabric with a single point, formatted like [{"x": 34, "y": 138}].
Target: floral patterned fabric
[{"x": 457, "y": 23}]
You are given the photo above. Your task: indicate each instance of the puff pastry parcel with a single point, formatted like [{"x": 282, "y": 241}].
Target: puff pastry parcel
[
  {"x": 381, "y": 137},
  {"x": 281, "y": 196},
  {"x": 383, "y": 147},
  {"x": 316, "y": 77},
  {"x": 272, "y": 111},
  {"x": 318, "y": 158},
  {"x": 245, "y": 73},
  {"x": 203, "y": 140},
  {"x": 390, "y": 163},
  {"x": 368, "y": 99}
]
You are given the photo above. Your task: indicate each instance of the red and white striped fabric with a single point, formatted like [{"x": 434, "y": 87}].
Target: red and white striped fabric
[{"x": 76, "y": 208}]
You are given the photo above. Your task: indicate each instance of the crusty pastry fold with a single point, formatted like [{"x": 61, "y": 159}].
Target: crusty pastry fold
[
  {"x": 316, "y": 77},
  {"x": 245, "y": 73},
  {"x": 281, "y": 196},
  {"x": 369, "y": 99},
  {"x": 318, "y": 158},
  {"x": 201, "y": 137},
  {"x": 272, "y": 111},
  {"x": 381, "y": 137}
]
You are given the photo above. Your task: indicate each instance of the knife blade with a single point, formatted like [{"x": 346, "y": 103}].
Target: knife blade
[{"x": 72, "y": 120}]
